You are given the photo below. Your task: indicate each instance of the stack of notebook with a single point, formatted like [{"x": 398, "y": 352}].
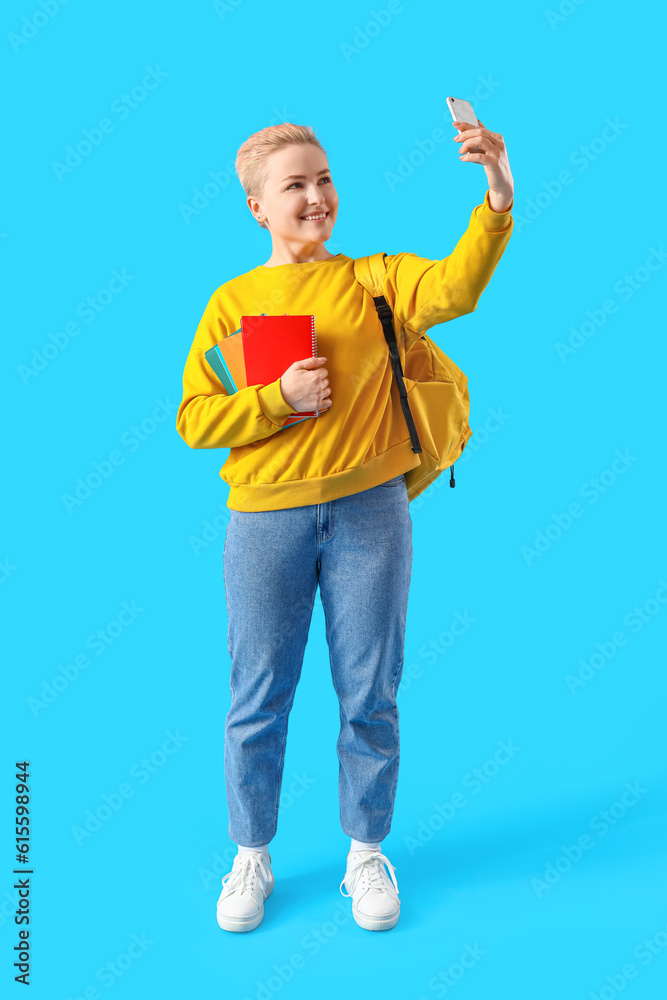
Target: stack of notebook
[{"x": 261, "y": 350}]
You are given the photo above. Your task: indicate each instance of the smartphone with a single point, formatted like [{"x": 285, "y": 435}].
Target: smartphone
[{"x": 462, "y": 111}]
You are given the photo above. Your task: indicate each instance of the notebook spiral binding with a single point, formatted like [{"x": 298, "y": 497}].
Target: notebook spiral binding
[{"x": 313, "y": 338}]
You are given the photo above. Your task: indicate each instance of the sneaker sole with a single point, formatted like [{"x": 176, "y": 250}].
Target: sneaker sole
[
  {"x": 371, "y": 923},
  {"x": 241, "y": 924}
]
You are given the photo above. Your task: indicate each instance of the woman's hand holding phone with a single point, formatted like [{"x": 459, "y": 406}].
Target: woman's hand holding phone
[
  {"x": 480, "y": 145},
  {"x": 493, "y": 158}
]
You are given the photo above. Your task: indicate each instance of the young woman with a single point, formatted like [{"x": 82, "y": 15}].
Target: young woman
[{"x": 323, "y": 502}]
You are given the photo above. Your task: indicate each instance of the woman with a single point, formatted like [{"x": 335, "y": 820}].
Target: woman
[{"x": 324, "y": 503}]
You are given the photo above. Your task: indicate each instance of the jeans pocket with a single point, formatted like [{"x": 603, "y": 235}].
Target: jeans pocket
[{"x": 396, "y": 481}]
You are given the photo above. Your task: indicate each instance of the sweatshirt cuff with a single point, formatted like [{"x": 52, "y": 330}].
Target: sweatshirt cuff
[
  {"x": 273, "y": 404},
  {"x": 493, "y": 222}
]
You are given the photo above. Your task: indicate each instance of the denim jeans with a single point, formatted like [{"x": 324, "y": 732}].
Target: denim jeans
[{"x": 359, "y": 550}]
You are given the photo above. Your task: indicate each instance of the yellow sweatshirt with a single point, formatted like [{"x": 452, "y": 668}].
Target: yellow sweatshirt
[{"x": 362, "y": 439}]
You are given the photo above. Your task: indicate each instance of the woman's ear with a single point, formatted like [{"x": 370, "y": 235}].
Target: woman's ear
[{"x": 251, "y": 205}]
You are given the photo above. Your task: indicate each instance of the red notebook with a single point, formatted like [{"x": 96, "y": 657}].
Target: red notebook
[{"x": 272, "y": 343}]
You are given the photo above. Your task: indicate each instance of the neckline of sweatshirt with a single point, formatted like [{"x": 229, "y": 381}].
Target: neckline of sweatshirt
[{"x": 303, "y": 264}]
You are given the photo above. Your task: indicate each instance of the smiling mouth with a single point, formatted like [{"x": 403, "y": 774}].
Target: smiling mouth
[{"x": 315, "y": 217}]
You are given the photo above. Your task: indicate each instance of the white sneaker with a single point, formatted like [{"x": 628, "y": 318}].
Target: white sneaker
[
  {"x": 375, "y": 902},
  {"x": 244, "y": 889}
]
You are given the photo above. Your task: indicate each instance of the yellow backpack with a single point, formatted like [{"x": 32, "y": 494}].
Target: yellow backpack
[{"x": 437, "y": 390}]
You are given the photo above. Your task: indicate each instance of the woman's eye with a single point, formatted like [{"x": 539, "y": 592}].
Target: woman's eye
[{"x": 298, "y": 183}]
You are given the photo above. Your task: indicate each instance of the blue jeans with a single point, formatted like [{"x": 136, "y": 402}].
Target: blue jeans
[{"x": 359, "y": 550}]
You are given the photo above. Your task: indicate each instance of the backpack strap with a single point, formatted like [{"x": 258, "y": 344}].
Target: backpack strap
[{"x": 370, "y": 273}]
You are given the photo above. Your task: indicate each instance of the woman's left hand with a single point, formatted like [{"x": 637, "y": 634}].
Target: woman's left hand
[{"x": 492, "y": 155}]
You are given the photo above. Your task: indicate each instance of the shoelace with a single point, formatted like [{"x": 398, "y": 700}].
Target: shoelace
[
  {"x": 377, "y": 876},
  {"x": 242, "y": 876}
]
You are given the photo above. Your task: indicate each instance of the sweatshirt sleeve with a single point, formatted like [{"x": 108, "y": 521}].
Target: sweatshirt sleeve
[
  {"x": 208, "y": 417},
  {"x": 425, "y": 292}
]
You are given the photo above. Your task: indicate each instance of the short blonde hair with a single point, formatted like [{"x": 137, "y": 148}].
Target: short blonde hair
[{"x": 252, "y": 166}]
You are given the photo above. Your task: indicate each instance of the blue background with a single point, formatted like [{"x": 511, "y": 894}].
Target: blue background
[{"x": 589, "y": 213}]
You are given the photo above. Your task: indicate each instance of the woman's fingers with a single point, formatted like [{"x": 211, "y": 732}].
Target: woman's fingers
[
  {"x": 478, "y": 144},
  {"x": 481, "y": 146},
  {"x": 493, "y": 157},
  {"x": 468, "y": 131},
  {"x": 496, "y": 135},
  {"x": 480, "y": 140},
  {"x": 482, "y": 158},
  {"x": 480, "y": 135}
]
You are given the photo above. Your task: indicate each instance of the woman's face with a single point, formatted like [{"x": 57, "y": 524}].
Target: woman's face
[{"x": 298, "y": 184}]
